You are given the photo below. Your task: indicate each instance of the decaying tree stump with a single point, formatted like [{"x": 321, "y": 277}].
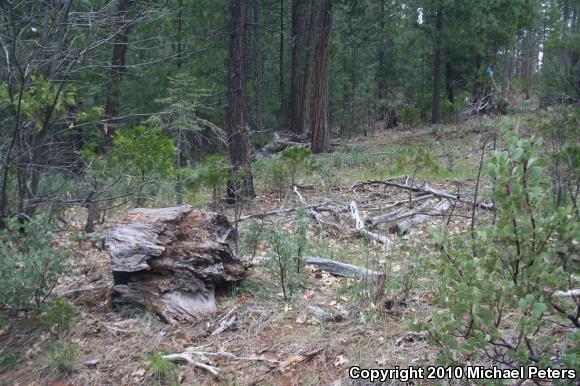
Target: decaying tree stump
[{"x": 171, "y": 260}]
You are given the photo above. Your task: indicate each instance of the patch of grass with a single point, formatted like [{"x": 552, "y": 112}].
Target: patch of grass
[
  {"x": 8, "y": 359},
  {"x": 260, "y": 289},
  {"x": 160, "y": 369},
  {"x": 58, "y": 314},
  {"x": 61, "y": 356}
]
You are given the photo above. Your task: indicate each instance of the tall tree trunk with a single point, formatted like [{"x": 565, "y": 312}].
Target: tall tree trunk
[
  {"x": 117, "y": 70},
  {"x": 297, "y": 50},
  {"x": 353, "y": 87},
  {"x": 258, "y": 65},
  {"x": 528, "y": 59},
  {"x": 283, "y": 109},
  {"x": 436, "y": 111},
  {"x": 321, "y": 114},
  {"x": 449, "y": 81},
  {"x": 179, "y": 160},
  {"x": 308, "y": 66},
  {"x": 238, "y": 139}
]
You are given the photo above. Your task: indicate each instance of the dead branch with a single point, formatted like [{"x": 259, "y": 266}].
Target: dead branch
[
  {"x": 280, "y": 211},
  {"x": 426, "y": 189},
  {"x": 185, "y": 357},
  {"x": 360, "y": 227},
  {"x": 226, "y": 322},
  {"x": 571, "y": 293},
  {"x": 313, "y": 213}
]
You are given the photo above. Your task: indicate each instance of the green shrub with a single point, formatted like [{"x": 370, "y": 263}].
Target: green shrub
[
  {"x": 147, "y": 152},
  {"x": 58, "y": 313},
  {"x": 29, "y": 263},
  {"x": 287, "y": 251},
  {"x": 410, "y": 116},
  {"x": 495, "y": 289},
  {"x": 213, "y": 174},
  {"x": 8, "y": 359},
  {"x": 160, "y": 368},
  {"x": 279, "y": 175},
  {"x": 294, "y": 158},
  {"x": 61, "y": 356}
]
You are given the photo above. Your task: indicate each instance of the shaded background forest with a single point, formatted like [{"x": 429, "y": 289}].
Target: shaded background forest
[{"x": 157, "y": 74}]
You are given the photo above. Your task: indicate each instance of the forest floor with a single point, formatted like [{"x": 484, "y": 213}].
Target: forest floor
[{"x": 278, "y": 342}]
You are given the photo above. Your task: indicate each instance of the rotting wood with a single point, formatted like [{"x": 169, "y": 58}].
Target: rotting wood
[
  {"x": 360, "y": 227},
  {"x": 171, "y": 260}
]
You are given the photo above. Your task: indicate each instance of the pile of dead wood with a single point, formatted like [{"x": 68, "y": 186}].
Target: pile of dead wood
[
  {"x": 172, "y": 259},
  {"x": 428, "y": 203}
]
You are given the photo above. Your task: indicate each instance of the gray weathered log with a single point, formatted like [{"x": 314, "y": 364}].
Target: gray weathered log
[
  {"x": 171, "y": 260},
  {"x": 338, "y": 268},
  {"x": 420, "y": 217}
]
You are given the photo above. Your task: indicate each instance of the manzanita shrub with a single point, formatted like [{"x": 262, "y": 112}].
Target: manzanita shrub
[
  {"x": 497, "y": 289},
  {"x": 29, "y": 263}
]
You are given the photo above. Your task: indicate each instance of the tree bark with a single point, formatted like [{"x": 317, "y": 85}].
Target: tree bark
[
  {"x": 528, "y": 63},
  {"x": 238, "y": 139},
  {"x": 117, "y": 70},
  {"x": 283, "y": 109},
  {"x": 436, "y": 111},
  {"x": 308, "y": 65},
  {"x": 297, "y": 50},
  {"x": 320, "y": 141},
  {"x": 449, "y": 81},
  {"x": 258, "y": 65}
]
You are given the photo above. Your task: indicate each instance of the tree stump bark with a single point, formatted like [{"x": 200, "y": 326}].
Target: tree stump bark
[{"x": 171, "y": 260}]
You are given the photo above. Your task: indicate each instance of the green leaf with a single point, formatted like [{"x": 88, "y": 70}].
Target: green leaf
[{"x": 539, "y": 308}]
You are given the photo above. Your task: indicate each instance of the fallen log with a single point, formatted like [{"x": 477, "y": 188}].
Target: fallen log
[
  {"x": 326, "y": 316},
  {"x": 429, "y": 190},
  {"x": 420, "y": 217},
  {"x": 331, "y": 266},
  {"x": 384, "y": 218},
  {"x": 280, "y": 211},
  {"x": 340, "y": 269},
  {"x": 171, "y": 260}
]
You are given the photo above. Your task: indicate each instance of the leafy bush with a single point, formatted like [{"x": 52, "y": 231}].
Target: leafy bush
[
  {"x": 496, "y": 289},
  {"x": 58, "y": 313},
  {"x": 29, "y": 263},
  {"x": 61, "y": 356}
]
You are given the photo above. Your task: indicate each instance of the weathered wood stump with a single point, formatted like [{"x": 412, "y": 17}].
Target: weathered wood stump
[{"x": 171, "y": 260}]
